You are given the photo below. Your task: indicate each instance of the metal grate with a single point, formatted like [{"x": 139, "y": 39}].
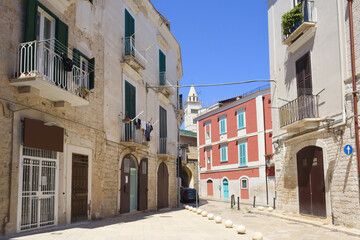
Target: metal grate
[{"x": 33, "y": 152}]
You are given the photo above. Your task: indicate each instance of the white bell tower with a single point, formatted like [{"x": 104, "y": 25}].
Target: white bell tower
[{"x": 192, "y": 107}]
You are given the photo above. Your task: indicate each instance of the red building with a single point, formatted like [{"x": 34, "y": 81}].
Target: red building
[{"x": 234, "y": 144}]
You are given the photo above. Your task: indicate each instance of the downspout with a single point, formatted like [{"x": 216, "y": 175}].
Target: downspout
[
  {"x": 266, "y": 182},
  {"x": 353, "y": 67}
]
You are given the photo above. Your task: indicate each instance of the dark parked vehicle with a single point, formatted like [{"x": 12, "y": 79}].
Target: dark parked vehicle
[{"x": 188, "y": 195}]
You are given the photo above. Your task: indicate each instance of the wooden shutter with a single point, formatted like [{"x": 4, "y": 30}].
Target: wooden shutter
[
  {"x": 303, "y": 75},
  {"x": 129, "y": 25},
  {"x": 61, "y": 35},
  {"x": 163, "y": 123},
  {"x": 222, "y": 125},
  {"x": 31, "y": 19},
  {"x": 242, "y": 154},
  {"x": 241, "y": 120},
  {"x": 162, "y": 61},
  {"x": 130, "y": 100}
]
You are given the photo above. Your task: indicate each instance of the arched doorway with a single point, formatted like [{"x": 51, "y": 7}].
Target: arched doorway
[
  {"x": 311, "y": 181},
  {"x": 185, "y": 177},
  {"x": 226, "y": 189},
  {"x": 162, "y": 186},
  {"x": 129, "y": 183},
  {"x": 209, "y": 186}
]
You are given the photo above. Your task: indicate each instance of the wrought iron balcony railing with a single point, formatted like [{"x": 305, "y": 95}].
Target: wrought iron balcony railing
[
  {"x": 131, "y": 51},
  {"x": 305, "y": 106},
  {"x": 132, "y": 135}
]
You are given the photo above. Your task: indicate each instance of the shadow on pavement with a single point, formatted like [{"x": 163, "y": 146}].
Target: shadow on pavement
[{"x": 92, "y": 224}]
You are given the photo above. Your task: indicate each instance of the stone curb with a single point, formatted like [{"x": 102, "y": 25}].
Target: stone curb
[{"x": 353, "y": 232}]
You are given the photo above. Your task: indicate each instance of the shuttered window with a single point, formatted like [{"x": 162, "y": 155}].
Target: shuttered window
[
  {"x": 303, "y": 75},
  {"x": 129, "y": 25},
  {"x": 223, "y": 153},
  {"x": 163, "y": 123},
  {"x": 88, "y": 65},
  {"x": 241, "y": 120},
  {"x": 162, "y": 67},
  {"x": 130, "y": 100},
  {"x": 242, "y": 154},
  {"x": 222, "y": 125}
]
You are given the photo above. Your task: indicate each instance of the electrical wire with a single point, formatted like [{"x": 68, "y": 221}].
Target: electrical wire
[{"x": 211, "y": 85}]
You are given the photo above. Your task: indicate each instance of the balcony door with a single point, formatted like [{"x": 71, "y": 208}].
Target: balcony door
[
  {"x": 163, "y": 130},
  {"x": 130, "y": 110},
  {"x": 45, "y": 34},
  {"x": 306, "y": 104}
]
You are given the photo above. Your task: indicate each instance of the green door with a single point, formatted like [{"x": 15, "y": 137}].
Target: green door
[{"x": 133, "y": 189}]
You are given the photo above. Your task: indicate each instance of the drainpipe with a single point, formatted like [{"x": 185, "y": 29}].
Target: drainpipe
[
  {"x": 266, "y": 182},
  {"x": 353, "y": 67}
]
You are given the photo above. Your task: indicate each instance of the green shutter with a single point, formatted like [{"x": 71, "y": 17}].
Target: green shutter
[
  {"x": 163, "y": 122},
  {"x": 92, "y": 74},
  {"x": 130, "y": 100},
  {"x": 30, "y": 22},
  {"x": 129, "y": 25},
  {"x": 76, "y": 57},
  {"x": 61, "y": 35},
  {"x": 162, "y": 61}
]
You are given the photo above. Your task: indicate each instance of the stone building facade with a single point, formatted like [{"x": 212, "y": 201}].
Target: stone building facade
[
  {"x": 312, "y": 109},
  {"x": 70, "y": 149}
]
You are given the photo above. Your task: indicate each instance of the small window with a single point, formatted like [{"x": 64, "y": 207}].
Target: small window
[
  {"x": 223, "y": 152},
  {"x": 242, "y": 154},
  {"x": 241, "y": 120},
  {"x": 208, "y": 159},
  {"x": 223, "y": 126},
  {"x": 207, "y": 135},
  {"x": 194, "y": 121},
  {"x": 244, "y": 184},
  {"x": 194, "y": 110}
]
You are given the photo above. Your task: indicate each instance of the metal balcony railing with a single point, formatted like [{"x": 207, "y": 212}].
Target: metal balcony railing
[
  {"x": 166, "y": 146},
  {"x": 162, "y": 78},
  {"x": 130, "y": 50},
  {"x": 305, "y": 106},
  {"x": 131, "y": 134},
  {"x": 42, "y": 59},
  {"x": 307, "y": 10}
]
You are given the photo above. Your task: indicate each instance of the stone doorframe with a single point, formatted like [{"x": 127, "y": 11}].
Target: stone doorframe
[{"x": 321, "y": 144}]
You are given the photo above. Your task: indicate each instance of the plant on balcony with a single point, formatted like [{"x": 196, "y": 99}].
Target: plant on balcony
[
  {"x": 289, "y": 19},
  {"x": 82, "y": 92}
]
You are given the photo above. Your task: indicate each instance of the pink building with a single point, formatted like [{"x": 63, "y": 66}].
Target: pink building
[{"x": 234, "y": 141}]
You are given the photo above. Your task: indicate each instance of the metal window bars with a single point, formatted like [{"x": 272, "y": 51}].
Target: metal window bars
[{"x": 130, "y": 50}]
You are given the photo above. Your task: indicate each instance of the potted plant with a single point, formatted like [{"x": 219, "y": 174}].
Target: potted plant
[{"x": 292, "y": 19}]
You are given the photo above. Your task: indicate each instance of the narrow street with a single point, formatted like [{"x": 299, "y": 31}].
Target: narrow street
[{"x": 183, "y": 224}]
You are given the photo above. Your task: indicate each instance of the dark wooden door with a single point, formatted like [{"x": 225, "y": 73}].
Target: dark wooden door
[
  {"x": 311, "y": 181},
  {"x": 125, "y": 186},
  {"x": 163, "y": 186},
  {"x": 79, "y": 188},
  {"x": 143, "y": 184}
]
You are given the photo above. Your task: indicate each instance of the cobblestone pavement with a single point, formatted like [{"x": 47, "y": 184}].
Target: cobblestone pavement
[
  {"x": 271, "y": 227},
  {"x": 181, "y": 224}
]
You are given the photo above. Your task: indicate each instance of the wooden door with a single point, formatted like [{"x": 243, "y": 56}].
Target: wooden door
[
  {"x": 163, "y": 186},
  {"x": 209, "y": 185},
  {"x": 143, "y": 184},
  {"x": 125, "y": 186},
  {"x": 79, "y": 188},
  {"x": 311, "y": 182}
]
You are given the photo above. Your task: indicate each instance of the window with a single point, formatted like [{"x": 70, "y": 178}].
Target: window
[
  {"x": 208, "y": 159},
  {"x": 242, "y": 154},
  {"x": 222, "y": 125},
  {"x": 223, "y": 153},
  {"x": 194, "y": 121},
  {"x": 244, "y": 184},
  {"x": 84, "y": 75},
  {"x": 162, "y": 67},
  {"x": 194, "y": 110},
  {"x": 207, "y": 135},
  {"x": 303, "y": 75},
  {"x": 241, "y": 120},
  {"x": 207, "y": 131}
]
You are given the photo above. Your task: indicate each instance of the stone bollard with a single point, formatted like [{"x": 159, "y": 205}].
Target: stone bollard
[
  {"x": 185, "y": 206},
  {"x": 190, "y": 208},
  {"x": 270, "y": 209},
  {"x": 218, "y": 219},
  {"x": 241, "y": 229},
  {"x": 257, "y": 236},
  {"x": 198, "y": 211},
  {"x": 210, "y": 216},
  {"x": 204, "y": 213},
  {"x": 228, "y": 224},
  {"x": 194, "y": 209},
  {"x": 260, "y": 208}
]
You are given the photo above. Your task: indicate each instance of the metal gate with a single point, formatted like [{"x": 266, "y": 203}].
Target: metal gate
[{"x": 37, "y": 203}]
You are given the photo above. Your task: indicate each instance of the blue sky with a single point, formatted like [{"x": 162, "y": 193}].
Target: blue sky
[{"x": 221, "y": 41}]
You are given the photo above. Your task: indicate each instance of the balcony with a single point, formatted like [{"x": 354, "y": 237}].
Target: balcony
[
  {"x": 132, "y": 137},
  {"x": 165, "y": 85},
  {"x": 132, "y": 56},
  {"x": 303, "y": 29},
  {"x": 300, "y": 114},
  {"x": 39, "y": 70},
  {"x": 166, "y": 149}
]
